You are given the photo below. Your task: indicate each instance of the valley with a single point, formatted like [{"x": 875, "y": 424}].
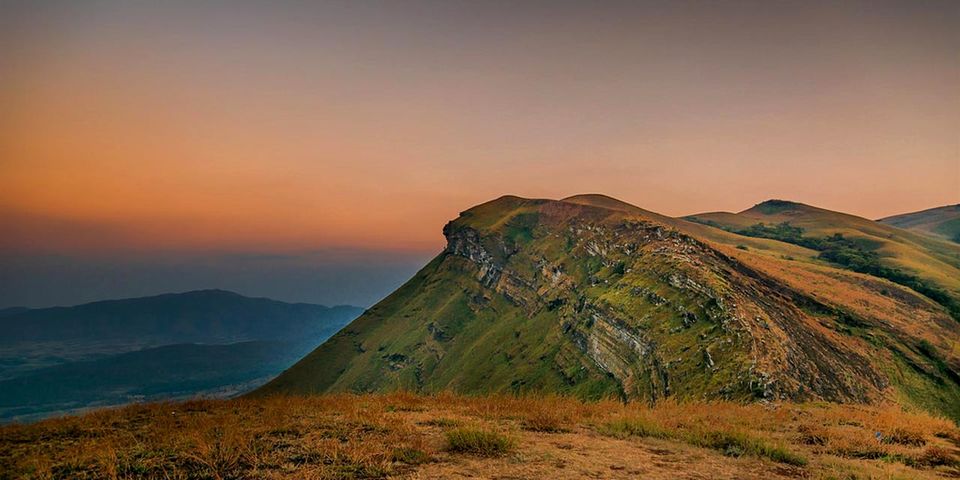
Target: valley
[{"x": 210, "y": 343}]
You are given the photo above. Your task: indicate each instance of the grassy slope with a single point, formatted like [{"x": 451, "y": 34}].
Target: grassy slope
[
  {"x": 447, "y": 436},
  {"x": 417, "y": 323},
  {"x": 929, "y": 258},
  {"x": 926, "y": 257},
  {"x": 942, "y": 222}
]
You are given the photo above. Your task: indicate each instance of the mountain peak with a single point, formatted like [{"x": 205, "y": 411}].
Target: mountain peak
[
  {"x": 592, "y": 197},
  {"x": 774, "y": 206},
  {"x": 600, "y": 200}
]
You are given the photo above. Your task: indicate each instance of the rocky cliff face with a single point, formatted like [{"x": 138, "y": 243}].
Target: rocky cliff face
[
  {"x": 556, "y": 296},
  {"x": 744, "y": 329}
]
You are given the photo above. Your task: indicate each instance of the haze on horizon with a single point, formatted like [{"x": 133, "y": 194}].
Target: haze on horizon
[{"x": 312, "y": 152}]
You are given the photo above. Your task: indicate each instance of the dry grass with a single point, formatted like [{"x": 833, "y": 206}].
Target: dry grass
[
  {"x": 402, "y": 434},
  {"x": 478, "y": 441},
  {"x": 634, "y": 426}
]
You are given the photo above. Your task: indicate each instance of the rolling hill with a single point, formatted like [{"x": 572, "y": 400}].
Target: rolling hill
[
  {"x": 929, "y": 258},
  {"x": 927, "y": 265},
  {"x": 943, "y": 222},
  {"x": 594, "y": 297}
]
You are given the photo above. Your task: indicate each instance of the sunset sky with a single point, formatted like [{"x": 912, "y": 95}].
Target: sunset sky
[{"x": 312, "y": 151}]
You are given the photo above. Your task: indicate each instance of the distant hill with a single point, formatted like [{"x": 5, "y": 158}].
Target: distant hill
[
  {"x": 593, "y": 297},
  {"x": 208, "y": 342},
  {"x": 203, "y": 316},
  {"x": 943, "y": 222}
]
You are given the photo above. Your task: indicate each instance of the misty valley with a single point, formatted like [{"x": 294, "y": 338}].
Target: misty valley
[{"x": 196, "y": 344}]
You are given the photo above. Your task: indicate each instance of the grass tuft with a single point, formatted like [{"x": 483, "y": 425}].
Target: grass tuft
[
  {"x": 731, "y": 443},
  {"x": 410, "y": 456},
  {"x": 903, "y": 436},
  {"x": 935, "y": 457},
  {"x": 634, "y": 427},
  {"x": 480, "y": 442},
  {"x": 441, "y": 422},
  {"x": 545, "y": 422},
  {"x": 812, "y": 435},
  {"x": 737, "y": 444}
]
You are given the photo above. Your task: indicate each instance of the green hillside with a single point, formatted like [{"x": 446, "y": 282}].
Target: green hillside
[
  {"x": 942, "y": 222},
  {"x": 594, "y": 297}
]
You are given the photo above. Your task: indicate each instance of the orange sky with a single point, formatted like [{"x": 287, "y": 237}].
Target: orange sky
[{"x": 156, "y": 128}]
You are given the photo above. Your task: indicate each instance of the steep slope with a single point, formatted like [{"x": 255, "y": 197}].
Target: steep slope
[
  {"x": 943, "y": 222},
  {"x": 594, "y": 297}
]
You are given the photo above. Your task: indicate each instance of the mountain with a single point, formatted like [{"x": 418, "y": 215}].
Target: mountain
[
  {"x": 594, "y": 297},
  {"x": 943, "y": 222},
  {"x": 209, "y": 342}
]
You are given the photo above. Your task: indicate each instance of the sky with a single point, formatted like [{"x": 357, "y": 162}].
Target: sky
[{"x": 312, "y": 151}]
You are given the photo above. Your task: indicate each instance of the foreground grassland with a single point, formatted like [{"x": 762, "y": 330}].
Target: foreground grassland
[{"x": 448, "y": 436}]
